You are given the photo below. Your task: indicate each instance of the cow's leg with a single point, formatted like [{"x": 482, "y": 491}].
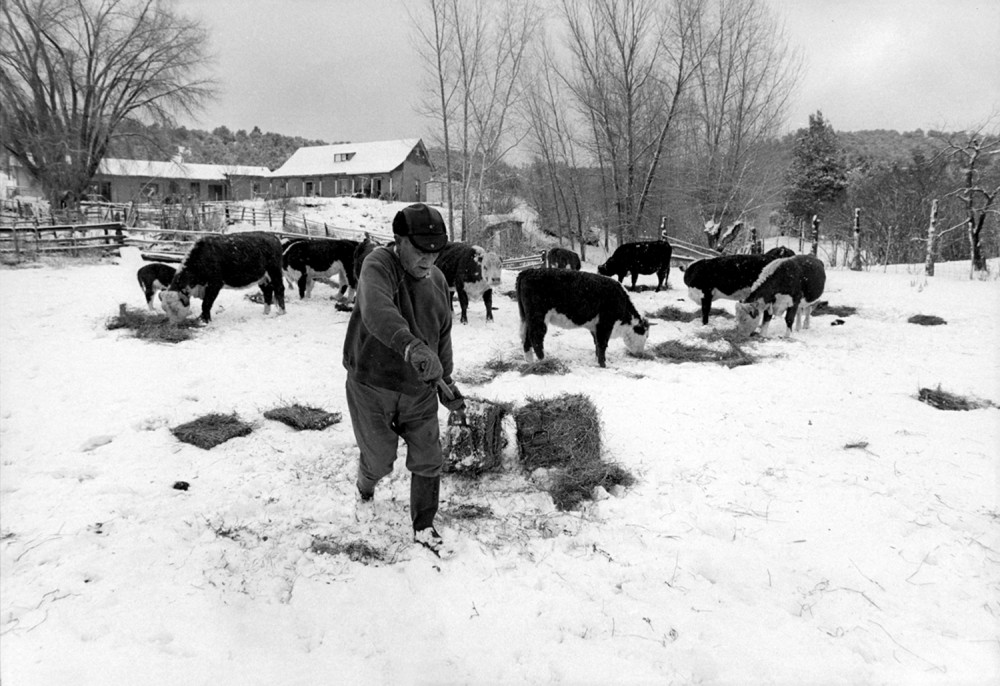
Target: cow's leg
[
  {"x": 766, "y": 320},
  {"x": 660, "y": 276},
  {"x": 635, "y": 277},
  {"x": 488, "y": 300},
  {"x": 302, "y": 282},
  {"x": 208, "y": 299},
  {"x": 529, "y": 355},
  {"x": 536, "y": 336},
  {"x": 274, "y": 274},
  {"x": 310, "y": 284},
  {"x": 706, "y": 305},
  {"x": 602, "y": 334},
  {"x": 268, "y": 291},
  {"x": 791, "y": 315},
  {"x": 463, "y": 303}
]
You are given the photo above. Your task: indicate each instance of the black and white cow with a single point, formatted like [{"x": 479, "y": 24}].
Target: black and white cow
[
  {"x": 779, "y": 251},
  {"x": 572, "y": 299},
  {"x": 319, "y": 259},
  {"x": 235, "y": 260},
  {"x": 153, "y": 278},
  {"x": 729, "y": 276},
  {"x": 643, "y": 257},
  {"x": 561, "y": 258},
  {"x": 789, "y": 286},
  {"x": 472, "y": 272}
]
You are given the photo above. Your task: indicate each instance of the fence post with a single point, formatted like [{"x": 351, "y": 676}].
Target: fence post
[
  {"x": 327, "y": 229},
  {"x": 17, "y": 247},
  {"x": 856, "y": 263},
  {"x": 931, "y": 235}
]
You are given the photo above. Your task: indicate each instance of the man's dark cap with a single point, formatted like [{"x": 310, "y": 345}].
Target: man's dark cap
[{"x": 423, "y": 225}]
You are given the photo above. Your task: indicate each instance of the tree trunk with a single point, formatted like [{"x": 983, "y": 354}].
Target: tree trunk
[
  {"x": 978, "y": 263},
  {"x": 856, "y": 264},
  {"x": 931, "y": 237},
  {"x": 815, "y": 235}
]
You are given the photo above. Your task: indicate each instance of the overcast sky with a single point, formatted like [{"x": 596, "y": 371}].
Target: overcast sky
[{"x": 347, "y": 69}]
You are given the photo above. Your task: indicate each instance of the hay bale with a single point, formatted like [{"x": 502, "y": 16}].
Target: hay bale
[
  {"x": 151, "y": 326},
  {"x": 210, "y": 430},
  {"x": 579, "y": 481},
  {"x": 486, "y": 443},
  {"x": 926, "y": 320},
  {"x": 557, "y": 431},
  {"x": 302, "y": 417},
  {"x": 943, "y": 400}
]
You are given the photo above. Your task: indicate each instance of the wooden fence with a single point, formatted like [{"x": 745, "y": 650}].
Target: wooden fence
[{"x": 74, "y": 239}]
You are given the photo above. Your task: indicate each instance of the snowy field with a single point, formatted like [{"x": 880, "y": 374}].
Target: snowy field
[{"x": 801, "y": 520}]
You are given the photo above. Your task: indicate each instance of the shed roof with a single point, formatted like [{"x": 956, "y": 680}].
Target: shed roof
[
  {"x": 177, "y": 170},
  {"x": 376, "y": 157}
]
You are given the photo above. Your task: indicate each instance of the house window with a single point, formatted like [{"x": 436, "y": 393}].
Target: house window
[
  {"x": 255, "y": 188},
  {"x": 216, "y": 191},
  {"x": 195, "y": 190},
  {"x": 342, "y": 156},
  {"x": 152, "y": 190},
  {"x": 307, "y": 188}
]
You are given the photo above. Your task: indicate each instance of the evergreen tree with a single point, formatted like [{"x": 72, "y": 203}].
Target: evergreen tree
[{"x": 818, "y": 174}]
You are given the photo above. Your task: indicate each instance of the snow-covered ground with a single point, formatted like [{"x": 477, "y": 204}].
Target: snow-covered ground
[{"x": 802, "y": 520}]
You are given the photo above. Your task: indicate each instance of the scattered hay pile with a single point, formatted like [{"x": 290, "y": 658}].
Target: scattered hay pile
[
  {"x": 926, "y": 320},
  {"x": 150, "y": 326},
  {"x": 493, "y": 368},
  {"x": 469, "y": 511},
  {"x": 676, "y": 352},
  {"x": 301, "y": 417},
  {"x": 675, "y": 314},
  {"x": 549, "y": 365},
  {"x": 356, "y": 551},
  {"x": 823, "y": 307},
  {"x": 482, "y": 444},
  {"x": 563, "y": 435},
  {"x": 210, "y": 430},
  {"x": 943, "y": 400}
]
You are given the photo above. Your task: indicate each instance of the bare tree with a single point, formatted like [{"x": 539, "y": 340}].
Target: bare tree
[
  {"x": 631, "y": 61},
  {"x": 73, "y": 71},
  {"x": 739, "y": 97},
  {"x": 973, "y": 153}
]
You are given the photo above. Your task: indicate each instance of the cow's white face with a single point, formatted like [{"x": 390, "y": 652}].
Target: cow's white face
[
  {"x": 696, "y": 294},
  {"x": 176, "y": 304},
  {"x": 491, "y": 269},
  {"x": 748, "y": 316},
  {"x": 635, "y": 336}
]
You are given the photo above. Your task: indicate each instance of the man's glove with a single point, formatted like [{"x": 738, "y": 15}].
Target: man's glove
[
  {"x": 455, "y": 403},
  {"x": 424, "y": 360}
]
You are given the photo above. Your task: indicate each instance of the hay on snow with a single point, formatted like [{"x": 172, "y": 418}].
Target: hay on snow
[
  {"x": 676, "y": 352},
  {"x": 210, "y": 430},
  {"x": 549, "y": 365},
  {"x": 302, "y": 417},
  {"x": 926, "y": 320},
  {"x": 151, "y": 326},
  {"x": 943, "y": 400}
]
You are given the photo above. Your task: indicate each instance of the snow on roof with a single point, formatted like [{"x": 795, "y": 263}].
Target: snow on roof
[
  {"x": 177, "y": 170},
  {"x": 377, "y": 157}
]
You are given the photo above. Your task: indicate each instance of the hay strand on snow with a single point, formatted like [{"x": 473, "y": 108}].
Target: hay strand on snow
[
  {"x": 676, "y": 352},
  {"x": 302, "y": 417},
  {"x": 210, "y": 430},
  {"x": 823, "y": 308},
  {"x": 671, "y": 313},
  {"x": 549, "y": 365}
]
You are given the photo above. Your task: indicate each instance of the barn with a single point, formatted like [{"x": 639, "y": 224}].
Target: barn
[
  {"x": 393, "y": 170},
  {"x": 119, "y": 180}
]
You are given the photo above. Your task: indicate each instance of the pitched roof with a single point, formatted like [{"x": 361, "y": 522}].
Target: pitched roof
[
  {"x": 377, "y": 157},
  {"x": 177, "y": 170}
]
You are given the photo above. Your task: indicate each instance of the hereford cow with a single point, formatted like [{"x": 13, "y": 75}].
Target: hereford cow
[
  {"x": 572, "y": 299},
  {"x": 318, "y": 259},
  {"x": 644, "y": 257},
  {"x": 361, "y": 252},
  {"x": 729, "y": 276},
  {"x": 235, "y": 260},
  {"x": 470, "y": 272},
  {"x": 154, "y": 278},
  {"x": 561, "y": 258},
  {"x": 789, "y": 286}
]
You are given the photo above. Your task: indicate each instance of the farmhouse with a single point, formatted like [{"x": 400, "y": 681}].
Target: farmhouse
[
  {"x": 393, "y": 170},
  {"x": 119, "y": 180}
]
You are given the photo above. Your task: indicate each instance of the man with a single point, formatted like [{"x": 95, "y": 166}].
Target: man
[{"x": 396, "y": 350}]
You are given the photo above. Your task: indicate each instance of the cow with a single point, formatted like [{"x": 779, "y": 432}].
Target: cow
[
  {"x": 572, "y": 299},
  {"x": 153, "y": 278},
  {"x": 729, "y": 276},
  {"x": 318, "y": 259},
  {"x": 643, "y": 257},
  {"x": 561, "y": 258},
  {"x": 235, "y": 260},
  {"x": 362, "y": 251},
  {"x": 472, "y": 272},
  {"x": 789, "y": 286}
]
